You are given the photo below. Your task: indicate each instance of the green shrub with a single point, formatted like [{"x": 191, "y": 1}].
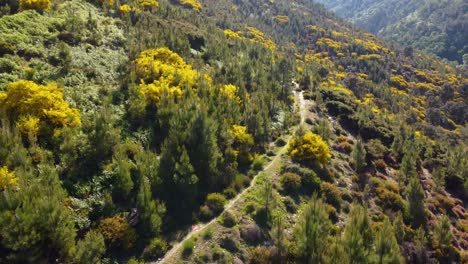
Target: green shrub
[
  {"x": 156, "y": 248},
  {"x": 240, "y": 181},
  {"x": 228, "y": 219},
  {"x": 376, "y": 149},
  {"x": 331, "y": 194},
  {"x": 309, "y": 178},
  {"x": 380, "y": 164},
  {"x": 216, "y": 202},
  {"x": 205, "y": 213},
  {"x": 390, "y": 200},
  {"x": 188, "y": 246},
  {"x": 117, "y": 233},
  {"x": 208, "y": 233},
  {"x": 290, "y": 182},
  {"x": 280, "y": 142},
  {"x": 261, "y": 255},
  {"x": 258, "y": 162},
  {"x": 290, "y": 204},
  {"x": 344, "y": 147},
  {"x": 229, "y": 192}
]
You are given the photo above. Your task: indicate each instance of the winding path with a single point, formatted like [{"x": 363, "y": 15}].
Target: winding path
[{"x": 171, "y": 255}]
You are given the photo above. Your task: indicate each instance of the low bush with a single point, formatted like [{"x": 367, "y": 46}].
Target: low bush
[
  {"x": 188, "y": 246},
  {"x": 257, "y": 163},
  {"x": 290, "y": 182},
  {"x": 344, "y": 147},
  {"x": 389, "y": 200},
  {"x": 290, "y": 205},
  {"x": 280, "y": 142},
  {"x": 331, "y": 194},
  {"x": 380, "y": 164},
  {"x": 228, "y": 219},
  {"x": 156, "y": 248},
  {"x": 229, "y": 192},
  {"x": 216, "y": 202},
  {"x": 205, "y": 213},
  {"x": 261, "y": 255}
]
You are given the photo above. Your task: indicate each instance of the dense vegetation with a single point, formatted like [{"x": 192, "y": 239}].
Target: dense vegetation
[
  {"x": 438, "y": 27},
  {"x": 124, "y": 122}
]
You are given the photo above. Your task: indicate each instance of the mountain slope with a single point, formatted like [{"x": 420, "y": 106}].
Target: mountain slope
[
  {"x": 124, "y": 124},
  {"x": 437, "y": 27}
]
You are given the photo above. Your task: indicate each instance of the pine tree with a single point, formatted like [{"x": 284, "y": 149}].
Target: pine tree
[
  {"x": 415, "y": 196},
  {"x": 443, "y": 235},
  {"x": 151, "y": 212},
  {"x": 278, "y": 235},
  {"x": 204, "y": 152},
  {"x": 312, "y": 230},
  {"x": 358, "y": 237},
  {"x": 335, "y": 252},
  {"x": 359, "y": 156},
  {"x": 407, "y": 168},
  {"x": 35, "y": 224},
  {"x": 399, "y": 228},
  {"x": 90, "y": 249},
  {"x": 386, "y": 246},
  {"x": 438, "y": 176}
]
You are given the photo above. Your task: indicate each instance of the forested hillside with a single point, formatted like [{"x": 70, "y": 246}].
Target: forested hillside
[
  {"x": 224, "y": 131},
  {"x": 437, "y": 27}
]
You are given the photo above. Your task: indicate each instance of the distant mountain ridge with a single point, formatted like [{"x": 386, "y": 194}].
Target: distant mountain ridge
[{"x": 438, "y": 27}]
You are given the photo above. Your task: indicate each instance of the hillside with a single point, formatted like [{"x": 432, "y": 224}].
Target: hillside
[
  {"x": 221, "y": 131},
  {"x": 437, "y": 27}
]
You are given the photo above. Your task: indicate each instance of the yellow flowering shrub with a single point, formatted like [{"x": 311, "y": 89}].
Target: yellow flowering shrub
[
  {"x": 194, "y": 4},
  {"x": 243, "y": 142},
  {"x": 7, "y": 178},
  {"x": 240, "y": 135},
  {"x": 124, "y": 9},
  {"x": 148, "y": 4},
  {"x": 164, "y": 71},
  {"x": 329, "y": 43},
  {"x": 309, "y": 148},
  {"x": 34, "y": 4},
  {"x": 399, "y": 82},
  {"x": 282, "y": 19},
  {"x": 36, "y": 106},
  {"x": 257, "y": 36},
  {"x": 230, "y": 91},
  {"x": 234, "y": 35},
  {"x": 28, "y": 125},
  {"x": 376, "y": 57}
]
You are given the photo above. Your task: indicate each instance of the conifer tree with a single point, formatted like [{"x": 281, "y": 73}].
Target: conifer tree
[
  {"x": 415, "y": 196},
  {"x": 35, "y": 224},
  {"x": 386, "y": 246},
  {"x": 335, "y": 253},
  {"x": 312, "y": 230},
  {"x": 399, "y": 228},
  {"x": 151, "y": 212},
  {"x": 358, "y": 237},
  {"x": 359, "y": 156},
  {"x": 443, "y": 235}
]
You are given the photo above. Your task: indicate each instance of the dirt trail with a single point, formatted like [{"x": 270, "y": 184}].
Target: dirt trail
[{"x": 171, "y": 255}]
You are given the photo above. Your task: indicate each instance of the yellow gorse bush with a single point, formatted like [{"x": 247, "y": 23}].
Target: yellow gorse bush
[
  {"x": 148, "y": 3},
  {"x": 34, "y": 4},
  {"x": 35, "y": 106},
  {"x": 240, "y": 135},
  {"x": 309, "y": 147},
  {"x": 125, "y": 8},
  {"x": 230, "y": 91},
  {"x": 194, "y": 4},
  {"x": 7, "y": 178},
  {"x": 282, "y": 19},
  {"x": 164, "y": 71}
]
